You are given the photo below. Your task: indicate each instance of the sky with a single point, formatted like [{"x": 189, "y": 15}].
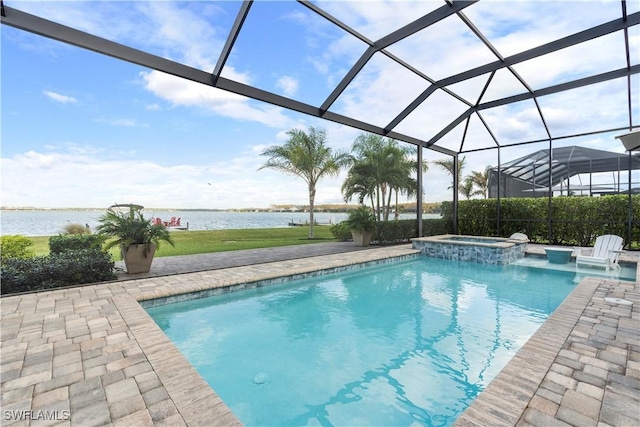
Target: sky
[{"x": 80, "y": 129}]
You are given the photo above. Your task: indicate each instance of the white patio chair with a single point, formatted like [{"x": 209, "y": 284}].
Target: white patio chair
[
  {"x": 519, "y": 236},
  {"x": 606, "y": 252}
]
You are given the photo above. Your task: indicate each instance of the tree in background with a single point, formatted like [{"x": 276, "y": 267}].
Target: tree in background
[
  {"x": 410, "y": 186},
  {"x": 306, "y": 155},
  {"x": 481, "y": 181},
  {"x": 466, "y": 188},
  {"x": 447, "y": 165},
  {"x": 379, "y": 168}
]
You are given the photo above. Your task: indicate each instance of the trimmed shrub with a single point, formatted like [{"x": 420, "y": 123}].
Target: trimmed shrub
[
  {"x": 341, "y": 231},
  {"x": 15, "y": 247},
  {"x": 72, "y": 267},
  {"x": 394, "y": 232},
  {"x": 74, "y": 242},
  {"x": 436, "y": 227}
]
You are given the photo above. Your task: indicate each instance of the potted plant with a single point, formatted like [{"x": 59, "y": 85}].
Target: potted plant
[
  {"x": 137, "y": 236},
  {"x": 361, "y": 222}
]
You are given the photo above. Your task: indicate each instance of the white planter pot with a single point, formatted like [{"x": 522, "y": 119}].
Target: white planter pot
[
  {"x": 361, "y": 238},
  {"x": 135, "y": 258}
]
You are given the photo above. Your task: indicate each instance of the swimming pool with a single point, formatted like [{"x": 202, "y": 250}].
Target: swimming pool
[{"x": 402, "y": 343}]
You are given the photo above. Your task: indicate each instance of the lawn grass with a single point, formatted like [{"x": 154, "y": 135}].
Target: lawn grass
[{"x": 206, "y": 241}]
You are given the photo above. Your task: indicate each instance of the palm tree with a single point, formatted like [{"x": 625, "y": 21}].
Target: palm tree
[
  {"x": 447, "y": 164},
  {"x": 379, "y": 168},
  {"x": 466, "y": 188},
  {"x": 366, "y": 176},
  {"x": 359, "y": 183},
  {"x": 409, "y": 185},
  {"x": 481, "y": 181},
  {"x": 307, "y": 156}
]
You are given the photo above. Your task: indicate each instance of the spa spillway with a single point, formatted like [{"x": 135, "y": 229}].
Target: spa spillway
[{"x": 484, "y": 250}]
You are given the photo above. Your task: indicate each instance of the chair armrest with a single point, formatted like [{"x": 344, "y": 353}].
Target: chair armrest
[
  {"x": 614, "y": 252},
  {"x": 578, "y": 249}
]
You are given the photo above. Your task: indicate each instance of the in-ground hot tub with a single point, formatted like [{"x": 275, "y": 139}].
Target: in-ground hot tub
[{"x": 485, "y": 250}]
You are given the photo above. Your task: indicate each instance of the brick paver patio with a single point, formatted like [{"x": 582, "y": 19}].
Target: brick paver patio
[{"x": 92, "y": 356}]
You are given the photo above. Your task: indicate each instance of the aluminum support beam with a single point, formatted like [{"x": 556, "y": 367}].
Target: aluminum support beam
[
  {"x": 231, "y": 39},
  {"x": 419, "y": 194},
  {"x": 586, "y": 81},
  {"x": 455, "y": 193},
  {"x": 572, "y": 40},
  {"x": 34, "y": 24},
  {"x": 409, "y": 29},
  {"x": 422, "y": 23},
  {"x": 541, "y": 92}
]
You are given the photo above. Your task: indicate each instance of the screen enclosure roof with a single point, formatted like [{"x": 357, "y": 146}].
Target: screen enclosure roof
[
  {"x": 453, "y": 76},
  {"x": 567, "y": 162}
]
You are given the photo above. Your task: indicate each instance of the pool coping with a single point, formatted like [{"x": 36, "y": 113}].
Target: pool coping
[
  {"x": 500, "y": 243},
  {"x": 83, "y": 349}
]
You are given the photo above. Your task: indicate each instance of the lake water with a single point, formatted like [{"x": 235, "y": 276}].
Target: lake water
[{"x": 52, "y": 222}]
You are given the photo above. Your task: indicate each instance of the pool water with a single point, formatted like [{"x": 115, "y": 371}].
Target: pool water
[
  {"x": 404, "y": 343},
  {"x": 626, "y": 271}
]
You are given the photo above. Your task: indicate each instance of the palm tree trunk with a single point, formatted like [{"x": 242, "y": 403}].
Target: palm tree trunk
[
  {"x": 378, "y": 203},
  {"x": 384, "y": 197},
  {"x": 388, "y": 210},
  {"x": 397, "y": 215},
  {"x": 312, "y": 197}
]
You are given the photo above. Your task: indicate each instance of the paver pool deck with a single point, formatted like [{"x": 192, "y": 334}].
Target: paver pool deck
[{"x": 91, "y": 355}]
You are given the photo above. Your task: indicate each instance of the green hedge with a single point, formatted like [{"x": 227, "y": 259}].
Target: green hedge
[
  {"x": 436, "y": 227},
  {"x": 395, "y": 232},
  {"x": 74, "y": 242},
  {"x": 574, "y": 220},
  {"x": 71, "y": 267}
]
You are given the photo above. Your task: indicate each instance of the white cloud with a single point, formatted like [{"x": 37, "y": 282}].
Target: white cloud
[
  {"x": 288, "y": 85},
  {"x": 76, "y": 176},
  {"x": 64, "y": 99},
  {"x": 184, "y": 93},
  {"x": 123, "y": 122},
  {"x": 156, "y": 26}
]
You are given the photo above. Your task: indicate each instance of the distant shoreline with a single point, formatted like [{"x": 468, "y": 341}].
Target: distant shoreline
[
  {"x": 245, "y": 210},
  {"x": 49, "y": 222},
  {"x": 405, "y": 208}
]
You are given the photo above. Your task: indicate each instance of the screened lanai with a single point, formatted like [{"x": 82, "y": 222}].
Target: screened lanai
[
  {"x": 566, "y": 171},
  {"x": 489, "y": 81}
]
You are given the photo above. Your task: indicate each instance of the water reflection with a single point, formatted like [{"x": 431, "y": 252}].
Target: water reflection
[{"x": 414, "y": 342}]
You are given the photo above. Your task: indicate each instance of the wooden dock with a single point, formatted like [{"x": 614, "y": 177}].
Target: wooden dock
[{"x": 292, "y": 223}]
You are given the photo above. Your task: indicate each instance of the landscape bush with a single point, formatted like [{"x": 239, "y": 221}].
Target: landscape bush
[
  {"x": 15, "y": 247},
  {"x": 573, "y": 220},
  {"x": 71, "y": 267},
  {"x": 341, "y": 231},
  {"x": 395, "y": 232},
  {"x": 436, "y": 227},
  {"x": 71, "y": 242}
]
